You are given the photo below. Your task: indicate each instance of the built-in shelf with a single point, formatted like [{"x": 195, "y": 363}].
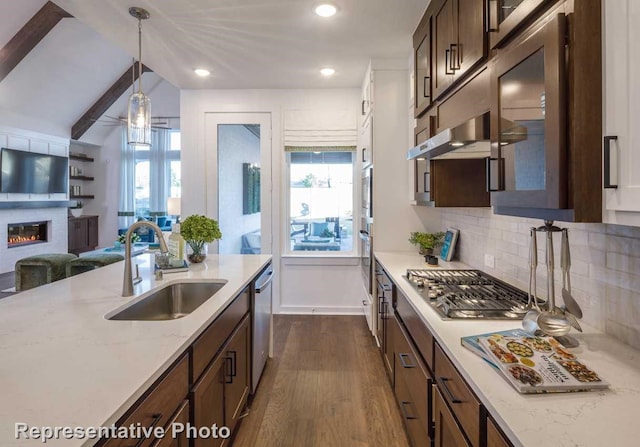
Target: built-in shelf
[
  {"x": 80, "y": 157},
  {"x": 83, "y": 197},
  {"x": 81, "y": 177}
]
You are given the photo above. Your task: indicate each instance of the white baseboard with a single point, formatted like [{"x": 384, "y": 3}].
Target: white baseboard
[{"x": 320, "y": 310}]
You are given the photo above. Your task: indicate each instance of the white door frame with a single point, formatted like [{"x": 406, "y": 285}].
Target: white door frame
[{"x": 211, "y": 122}]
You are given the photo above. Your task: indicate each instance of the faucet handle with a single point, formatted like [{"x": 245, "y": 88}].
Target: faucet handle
[{"x": 159, "y": 275}]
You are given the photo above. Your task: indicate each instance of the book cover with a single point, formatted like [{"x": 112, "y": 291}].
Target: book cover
[
  {"x": 472, "y": 342},
  {"x": 449, "y": 244},
  {"x": 539, "y": 364}
]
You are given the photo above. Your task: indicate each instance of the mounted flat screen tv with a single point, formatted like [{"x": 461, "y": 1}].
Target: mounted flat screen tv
[{"x": 32, "y": 173}]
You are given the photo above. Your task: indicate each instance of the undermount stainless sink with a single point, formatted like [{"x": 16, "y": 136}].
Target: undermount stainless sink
[{"x": 171, "y": 302}]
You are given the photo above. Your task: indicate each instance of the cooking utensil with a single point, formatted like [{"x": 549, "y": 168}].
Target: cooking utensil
[
  {"x": 565, "y": 262},
  {"x": 552, "y": 321},
  {"x": 573, "y": 321},
  {"x": 530, "y": 320}
]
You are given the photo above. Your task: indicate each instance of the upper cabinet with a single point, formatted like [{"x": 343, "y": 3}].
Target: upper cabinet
[
  {"x": 506, "y": 16},
  {"x": 545, "y": 151},
  {"x": 458, "y": 40},
  {"x": 621, "y": 112},
  {"x": 422, "y": 61}
]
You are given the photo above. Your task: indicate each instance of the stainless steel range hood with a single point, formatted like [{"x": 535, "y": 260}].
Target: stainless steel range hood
[{"x": 468, "y": 140}]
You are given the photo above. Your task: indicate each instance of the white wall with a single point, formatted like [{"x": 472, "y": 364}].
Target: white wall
[
  {"x": 605, "y": 263},
  {"x": 56, "y": 217},
  {"x": 299, "y": 288},
  {"x": 237, "y": 145}
]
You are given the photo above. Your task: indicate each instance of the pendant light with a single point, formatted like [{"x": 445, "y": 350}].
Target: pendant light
[{"x": 139, "y": 113}]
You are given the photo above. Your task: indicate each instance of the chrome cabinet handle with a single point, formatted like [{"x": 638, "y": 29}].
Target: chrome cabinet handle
[{"x": 607, "y": 161}]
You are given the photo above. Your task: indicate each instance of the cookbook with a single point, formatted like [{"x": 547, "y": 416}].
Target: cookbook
[{"x": 533, "y": 364}]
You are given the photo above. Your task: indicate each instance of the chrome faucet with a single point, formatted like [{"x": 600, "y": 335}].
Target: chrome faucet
[{"x": 127, "y": 284}]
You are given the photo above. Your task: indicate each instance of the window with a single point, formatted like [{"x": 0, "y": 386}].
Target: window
[
  {"x": 320, "y": 192},
  {"x": 157, "y": 173}
]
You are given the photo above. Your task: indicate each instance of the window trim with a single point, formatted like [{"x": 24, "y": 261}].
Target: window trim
[{"x": 287, "y": 252}]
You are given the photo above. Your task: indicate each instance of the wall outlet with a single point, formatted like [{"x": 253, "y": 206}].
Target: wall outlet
[{"x": 490, "y": 261}]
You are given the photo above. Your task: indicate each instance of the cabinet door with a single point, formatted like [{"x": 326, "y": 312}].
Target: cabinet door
[
  {"x": 423, "y": 73},
  {"x": 208, "y": 401},
  {"x": 494, "y": 437},
  {"x": 366, "y": 142},
  {"x": 92, "y": 232},
  {"x": 471, "y": 45},
  {"x": 447, "y": 432},
  {"x": 77, "y": 237},
  {"x": 236, "y": 388},
  {"x": 528, "y": 167},
  {"x": 505, "y": 16},
  {"x": 622, "y": 99},
  {"x": 443, "y": 46},
  {"x": 180, "y": 418}
]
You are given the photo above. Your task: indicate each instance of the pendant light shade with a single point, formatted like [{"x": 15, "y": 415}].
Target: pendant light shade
[{"x": 139, "y": 112}]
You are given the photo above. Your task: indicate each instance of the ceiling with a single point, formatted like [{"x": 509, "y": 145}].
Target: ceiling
[{"x": 256, "y": 43}]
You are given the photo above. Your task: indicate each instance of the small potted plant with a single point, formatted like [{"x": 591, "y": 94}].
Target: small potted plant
[
  {"x": 197, "y": 231},
  {"x": 426, "y": 242},
  {"x": 76, "y": 211}
]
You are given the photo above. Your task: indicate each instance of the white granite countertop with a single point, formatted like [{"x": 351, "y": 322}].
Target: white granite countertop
[
  {"x": 584, "y": 419},
  {"x": 63, "y": 364}
]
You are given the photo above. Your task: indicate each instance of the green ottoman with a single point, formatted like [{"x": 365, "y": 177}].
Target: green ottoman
[
  {"x": 91, "y": 262},
  {"x": 37, "y": 270}
]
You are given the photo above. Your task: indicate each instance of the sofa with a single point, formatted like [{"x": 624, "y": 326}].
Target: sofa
[
  {"x": 146, "y": 234},
  {"x": 251, "y": 243}
]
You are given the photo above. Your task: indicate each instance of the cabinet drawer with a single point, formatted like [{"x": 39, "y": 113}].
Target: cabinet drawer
[
  {"x": 416, "y": 328},
  {"x": 412, "y": 388},
  {"x": 181, "y": 440},
  {"x": 455, "y": 391},
  {"x": 212, "y": 339},
  {"x": 159, "y": 405}
]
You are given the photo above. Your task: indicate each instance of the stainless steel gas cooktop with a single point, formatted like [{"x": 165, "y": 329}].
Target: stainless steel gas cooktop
[{"x": 459, "y": 294}]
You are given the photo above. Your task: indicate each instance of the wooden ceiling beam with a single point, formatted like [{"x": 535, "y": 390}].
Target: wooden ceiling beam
[
  {"x": 29, "y": 36},
  {"x": 105, "y": 101}
]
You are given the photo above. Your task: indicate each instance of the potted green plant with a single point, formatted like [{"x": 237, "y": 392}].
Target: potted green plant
[
  {"x": 426, "y": 242},
  {"x": 135, "y": 237},
  {"x": 197, "y": 231}
]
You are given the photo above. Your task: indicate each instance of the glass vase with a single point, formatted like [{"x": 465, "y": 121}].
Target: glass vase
[{"x": 196, "y": 252}]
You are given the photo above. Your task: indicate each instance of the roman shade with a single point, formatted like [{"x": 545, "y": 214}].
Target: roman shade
[{"x": 320, "y": 131}]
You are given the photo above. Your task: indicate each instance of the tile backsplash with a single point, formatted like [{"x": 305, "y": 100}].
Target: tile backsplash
[{"x": 605, "y": 263}]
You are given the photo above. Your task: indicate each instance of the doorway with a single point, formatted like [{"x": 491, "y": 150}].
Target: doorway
[{"x": 238, "y": 150}]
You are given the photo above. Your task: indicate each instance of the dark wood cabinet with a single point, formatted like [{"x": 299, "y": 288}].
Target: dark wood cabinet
[
  {"x": 82, "y": 234},
  {"x": 506, "y": 16},
  {"x": 460, "y": 41},
  {"x": 221, "y": 393},
  {"x": 447, "y": 433},
  {"x": 156, "y": 408},
  {"x": 495, "y": 438},
  {"x": 384, "y": 293},
  {"x": 181, "y": 439},
  {"x": 422, "y": 61}
]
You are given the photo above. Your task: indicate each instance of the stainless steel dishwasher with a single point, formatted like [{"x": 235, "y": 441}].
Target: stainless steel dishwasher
[{"x": 261, "y": 324}]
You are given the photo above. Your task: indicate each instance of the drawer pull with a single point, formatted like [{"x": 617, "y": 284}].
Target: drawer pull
[
  {"x": 405, "y": 415},
  {"x": 445, "y": 387},
  {"x": 404, "y": 363},
  {"x": 156, "y": 418}
]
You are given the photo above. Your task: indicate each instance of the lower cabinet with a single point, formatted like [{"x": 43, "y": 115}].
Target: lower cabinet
[
  {"x": 221, "y": 393},
  {"x": 447, "y": 432},
  {"x": 165, "y": 399},
  {"x": 494, "y": 436},
  {"x": 181, "y": 439},
  {"x": 411, "y": 387},
  {"x": 82, "y": 234}
]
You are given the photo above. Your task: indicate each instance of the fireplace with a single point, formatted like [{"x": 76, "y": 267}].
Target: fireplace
[{"x": 26, "y": 233}]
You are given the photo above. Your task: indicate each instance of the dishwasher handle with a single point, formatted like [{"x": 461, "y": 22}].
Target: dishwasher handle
[{"x": 266, "y": 282}]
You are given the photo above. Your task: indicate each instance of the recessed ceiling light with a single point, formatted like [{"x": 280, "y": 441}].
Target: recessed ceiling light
[
  {"x": 202, "y": 72},
  {"x": 326, "y": 10},
  {"x": 327, "y": 71}
]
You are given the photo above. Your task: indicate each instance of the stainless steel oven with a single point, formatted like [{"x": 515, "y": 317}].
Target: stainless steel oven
[{"x": 367, "y": 195}]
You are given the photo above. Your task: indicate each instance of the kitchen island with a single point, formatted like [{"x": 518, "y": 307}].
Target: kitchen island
[
  {"x": 64, "y": 364},
  {"x": 584, "y": 419}
]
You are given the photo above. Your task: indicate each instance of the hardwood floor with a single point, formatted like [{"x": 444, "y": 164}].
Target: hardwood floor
[{"x": 325, "y": 386}]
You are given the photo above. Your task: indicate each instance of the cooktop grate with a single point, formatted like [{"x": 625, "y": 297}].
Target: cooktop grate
[{"x": 468, "y": 294}]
